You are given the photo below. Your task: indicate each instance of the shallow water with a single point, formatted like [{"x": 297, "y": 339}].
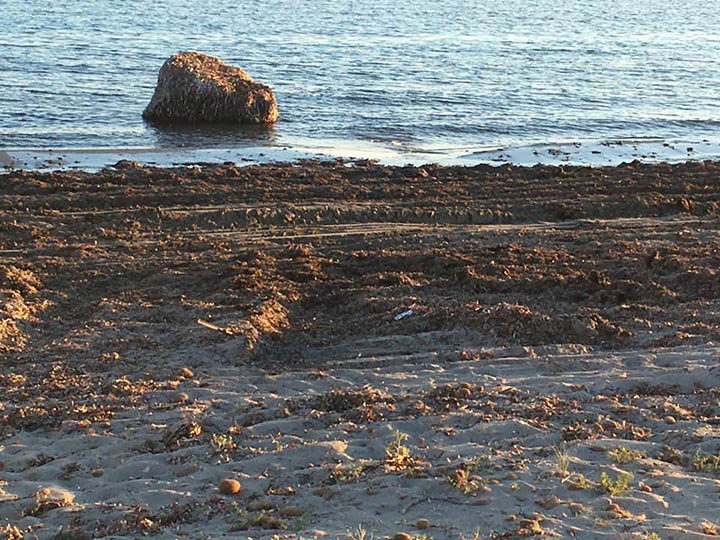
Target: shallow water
[{"x": 426, "y": 76}]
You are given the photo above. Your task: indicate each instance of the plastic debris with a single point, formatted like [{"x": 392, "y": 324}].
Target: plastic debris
[{"x": 403, "y": 314}]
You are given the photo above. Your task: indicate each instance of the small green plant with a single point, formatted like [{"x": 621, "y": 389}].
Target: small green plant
[
  {"x": 298, "y": 524},
  {"x": 279, "y": 445},
  {"x": 10, "y": 532},
  {"x": 578, "y": 481},
  {"x": 222, "y": 443},
  {"x": 69, "y": 470},
  {"x": 349, "y": 474},
  {"x": 706, "y": 463},
  {"x": 263, "y": 520},
  {"x": 476, "y": 535},
  {"x": 478, "y": 464},
  {"x": 615, "y": 487},
  {"x": 562, "y": 463},
  {"x": 359, "y": 534},
  {"x": 534, "y": 527},
  {"x": 462, "y": 480},
  {"x": 624, "y": 455},
  {"x": 398, "y": 456}
]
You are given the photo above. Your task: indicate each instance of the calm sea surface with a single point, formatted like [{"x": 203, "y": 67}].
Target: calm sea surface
[{"x": 416, "y": 74}]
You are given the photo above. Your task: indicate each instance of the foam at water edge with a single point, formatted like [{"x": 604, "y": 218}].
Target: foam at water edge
[{"x": 595, "y": 153}]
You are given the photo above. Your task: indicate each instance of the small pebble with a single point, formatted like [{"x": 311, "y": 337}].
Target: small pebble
[
  {"x": 670, "y": 419},
  {"x": 325, "y": 492},
  {"x": 97, "y": 472},
  {"x": 75, "y": 533},
  {"x": 186, "y": 373},
  {"x": 182, "y": 397},
  {"x": 261, "y": 504},
  {"x": 422, "y": 524},
  {"x": 549, "y": 502},
  {"x": 577, "y": 508},
  {"x": 229, "y": 486},
  {"x": 267, "y": 521},
  {"x": 186, "y": 470},
  {"x": 291, "y": 511},
  {"x": 402, "y": 536}
]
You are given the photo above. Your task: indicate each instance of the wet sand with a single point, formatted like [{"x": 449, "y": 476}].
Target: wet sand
[
  {"x": 597, "y": 153},
  {"x": 443, "y": 351}
]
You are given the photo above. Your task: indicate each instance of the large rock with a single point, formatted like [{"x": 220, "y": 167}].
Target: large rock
[{"x": 194, "y": 87}]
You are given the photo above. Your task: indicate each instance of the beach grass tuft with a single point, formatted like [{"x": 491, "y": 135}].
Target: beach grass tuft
[
  {"x": 620, "y": 485},
  {"x": 624, "y": 455},
  {"x": 706, "y": 463}
]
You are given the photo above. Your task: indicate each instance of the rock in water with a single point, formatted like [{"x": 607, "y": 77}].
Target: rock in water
[{"x": 194, "y": 87}]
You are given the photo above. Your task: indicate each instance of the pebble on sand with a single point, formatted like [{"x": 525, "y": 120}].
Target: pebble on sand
[
  {"x": 261, "y": 504},
  {"x": 292, "y": 511},
  {"x": 186, "y": 373},
  {"x": 228, "y": 486},
  {"x": 422, "y": 524}
]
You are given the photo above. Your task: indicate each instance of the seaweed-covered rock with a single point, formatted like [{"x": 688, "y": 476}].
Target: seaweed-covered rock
[{"x": 194, "y": 88}]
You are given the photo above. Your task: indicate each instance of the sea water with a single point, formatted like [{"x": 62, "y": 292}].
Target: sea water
[{"x": 430, "y": 77}]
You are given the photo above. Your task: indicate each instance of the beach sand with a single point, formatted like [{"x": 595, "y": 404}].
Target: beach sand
[{"x": 367, "y": 350}]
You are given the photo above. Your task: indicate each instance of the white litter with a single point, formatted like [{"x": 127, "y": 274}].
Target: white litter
[{"x": 403, "y": 314}]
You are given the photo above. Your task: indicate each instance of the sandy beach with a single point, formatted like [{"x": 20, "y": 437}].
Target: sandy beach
[{"x": 348, "y": 350}]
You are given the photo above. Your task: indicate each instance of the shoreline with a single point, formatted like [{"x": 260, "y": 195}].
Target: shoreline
[{"x": 593, "y": 153}]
